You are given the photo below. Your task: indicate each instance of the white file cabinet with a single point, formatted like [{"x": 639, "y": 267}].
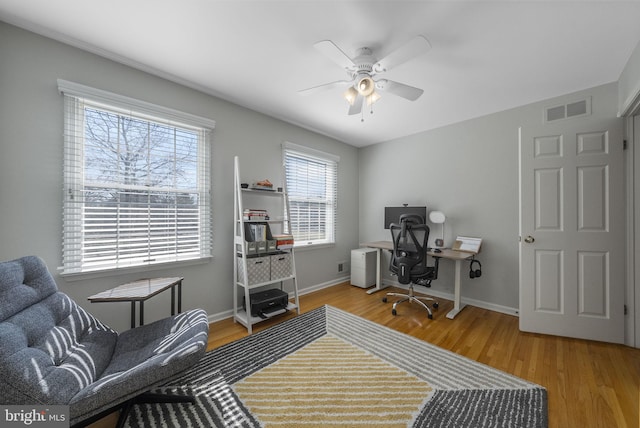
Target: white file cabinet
[{"x": 363, "y": 267}]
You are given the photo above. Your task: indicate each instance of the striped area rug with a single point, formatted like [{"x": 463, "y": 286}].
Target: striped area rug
[
  {"x": 329, "y": 368},
  {"x": 331, "y": 382}
]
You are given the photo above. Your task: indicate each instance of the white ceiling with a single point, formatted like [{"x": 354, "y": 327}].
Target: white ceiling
[{"x": 485, "y": 56}]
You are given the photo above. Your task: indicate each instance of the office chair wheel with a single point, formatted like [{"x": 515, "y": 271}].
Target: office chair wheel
[
  {"x": 430, "y": 316},
  {"x": 435, "y": 305},
  {"x": 384, "y": 300},
  {"x": 394, "y": 312}
]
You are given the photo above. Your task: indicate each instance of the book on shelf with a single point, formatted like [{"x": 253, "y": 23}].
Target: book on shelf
[
  {"x": 283, "y": 242},
  {"x": 255, "y": 215}
]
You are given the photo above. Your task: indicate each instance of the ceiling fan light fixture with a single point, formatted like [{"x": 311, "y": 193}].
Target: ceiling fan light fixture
[
  {"x": 373, "y": 98},
  {"x": 350, "y": 95},
  {"x": 362, "y": 90},
  {"x": 365, "y": 85}
]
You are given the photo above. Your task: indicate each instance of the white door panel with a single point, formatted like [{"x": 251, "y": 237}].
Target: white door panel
[
  {"x": 549, "y": 280},
  {"x": 572, "y": 211}
]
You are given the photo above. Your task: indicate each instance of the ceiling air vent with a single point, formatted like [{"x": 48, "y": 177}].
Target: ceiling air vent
[{"x": 566, "y": 111}]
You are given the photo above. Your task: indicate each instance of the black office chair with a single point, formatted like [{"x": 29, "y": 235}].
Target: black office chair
[{"x": 409, "y": 260}]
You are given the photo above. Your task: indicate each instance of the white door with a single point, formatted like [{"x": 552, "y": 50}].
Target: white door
[{"x": 572, "y": 239}]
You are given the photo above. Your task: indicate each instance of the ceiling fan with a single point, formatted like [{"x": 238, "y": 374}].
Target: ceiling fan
[{"x": 364, "y": 67}]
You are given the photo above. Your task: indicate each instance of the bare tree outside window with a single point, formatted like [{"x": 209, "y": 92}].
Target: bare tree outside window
[
  {"x": 137, "y": 182},
  {"x": 140, "y": 188}
]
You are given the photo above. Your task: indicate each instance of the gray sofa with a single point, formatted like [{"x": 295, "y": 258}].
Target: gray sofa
[{"x": 54, "y": 352}]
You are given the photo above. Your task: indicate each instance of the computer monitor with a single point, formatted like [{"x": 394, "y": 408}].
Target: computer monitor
[{"x": 392, "y": 214}]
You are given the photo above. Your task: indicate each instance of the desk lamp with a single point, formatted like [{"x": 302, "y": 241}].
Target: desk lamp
[{"x": 438, "y": 217}]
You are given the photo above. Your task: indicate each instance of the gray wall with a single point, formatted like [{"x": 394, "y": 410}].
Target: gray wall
[
  {"x": 629, "y": 81},
  {"x": 31, "y": 118},
  {"x": 469, "y": 171}
]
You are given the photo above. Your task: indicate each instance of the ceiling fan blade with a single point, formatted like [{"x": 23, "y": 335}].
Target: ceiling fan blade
[
  {"x": 416, "y": 46},
  {"x": 356, "y": 107},
  {"x": 335, "y": 54},
  {"x": 400, "y": 89},
  {"x": 325, "y": 87}
]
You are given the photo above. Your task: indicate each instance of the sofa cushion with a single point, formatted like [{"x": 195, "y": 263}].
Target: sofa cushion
[
  {"x": 51, "y": 349},
  {"x": 146, "y": 357},
  {"x": 23, "y": 282},
  {"x": 54, "y": 352}
]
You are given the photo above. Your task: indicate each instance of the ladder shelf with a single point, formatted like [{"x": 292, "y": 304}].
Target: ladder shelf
[{"x": 262, "y": 268}]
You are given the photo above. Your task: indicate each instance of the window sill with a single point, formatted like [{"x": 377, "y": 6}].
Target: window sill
[
  {"x": 314, "y": 246},
  {"x": 81, "y": 276}
]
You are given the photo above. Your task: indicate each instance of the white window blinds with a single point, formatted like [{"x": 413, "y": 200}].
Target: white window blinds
[
  {"x": 136, "y": 183},
  {"x": 312, "y": 185}
]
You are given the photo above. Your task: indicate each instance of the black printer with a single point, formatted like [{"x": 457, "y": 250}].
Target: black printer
[{"x": 267, "y": 301}]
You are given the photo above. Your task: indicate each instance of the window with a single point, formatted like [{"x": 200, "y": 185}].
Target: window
[
  {"x": 136, "y": 183},
  {"x": 311, "y": 179}
]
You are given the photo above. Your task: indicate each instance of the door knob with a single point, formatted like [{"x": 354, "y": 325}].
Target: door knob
[{"x": 529, "y": 239}]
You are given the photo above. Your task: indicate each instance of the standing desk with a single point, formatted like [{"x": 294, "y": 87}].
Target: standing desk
[{"x": 456, "y": 256}]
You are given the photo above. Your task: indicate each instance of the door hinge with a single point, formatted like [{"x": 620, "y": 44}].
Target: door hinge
[
  {"x": 626, "y": 311},
  {"x": 624, "y": 144}
]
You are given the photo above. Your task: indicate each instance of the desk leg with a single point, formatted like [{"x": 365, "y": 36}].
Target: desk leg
[
  {"x": 457, "y": 305},
  {"x": 173, "y": 301},
  {"x": 180, "y": 297},
  {"x": 141, "y": 312},
  {"x": 133, "y": 314},
  {"x": 378, "y": 286}
]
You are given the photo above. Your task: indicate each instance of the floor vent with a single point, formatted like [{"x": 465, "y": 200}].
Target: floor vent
[{"x": 566, "y": 111}]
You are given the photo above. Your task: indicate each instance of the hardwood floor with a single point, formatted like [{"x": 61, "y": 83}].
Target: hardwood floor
[{"x": 589, "y": 384}]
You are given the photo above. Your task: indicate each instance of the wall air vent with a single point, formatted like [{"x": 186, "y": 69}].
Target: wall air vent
[
  {"x": 566, "y": 111},
  {"x": 555, "y": 113}
]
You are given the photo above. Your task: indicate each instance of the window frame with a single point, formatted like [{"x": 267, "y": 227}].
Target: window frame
[
  {"x": 331, "y": 161},
  {"x": 74, "y": 225}
]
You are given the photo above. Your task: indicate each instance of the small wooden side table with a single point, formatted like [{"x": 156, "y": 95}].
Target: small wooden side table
[{"x": 139, "y": 291}]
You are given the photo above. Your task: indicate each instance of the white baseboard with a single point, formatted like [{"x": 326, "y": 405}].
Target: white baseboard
[
  {"x": 228, "y": 314},
  {"x": 467, "y": 301},
  {"x": 323, "y": 285},
  {"x": 443, "y": 295},
  {"x": 220, "y": 316},
  {"x": 492, "y": 306}
]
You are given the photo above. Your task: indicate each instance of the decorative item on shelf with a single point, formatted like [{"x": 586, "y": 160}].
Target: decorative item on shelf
[
  {"x": 438, "y": 217},
  {"x": 255, "y": 215},
  {"x": 244, "y": 185},
  {"x": 263, "y": 185}
]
